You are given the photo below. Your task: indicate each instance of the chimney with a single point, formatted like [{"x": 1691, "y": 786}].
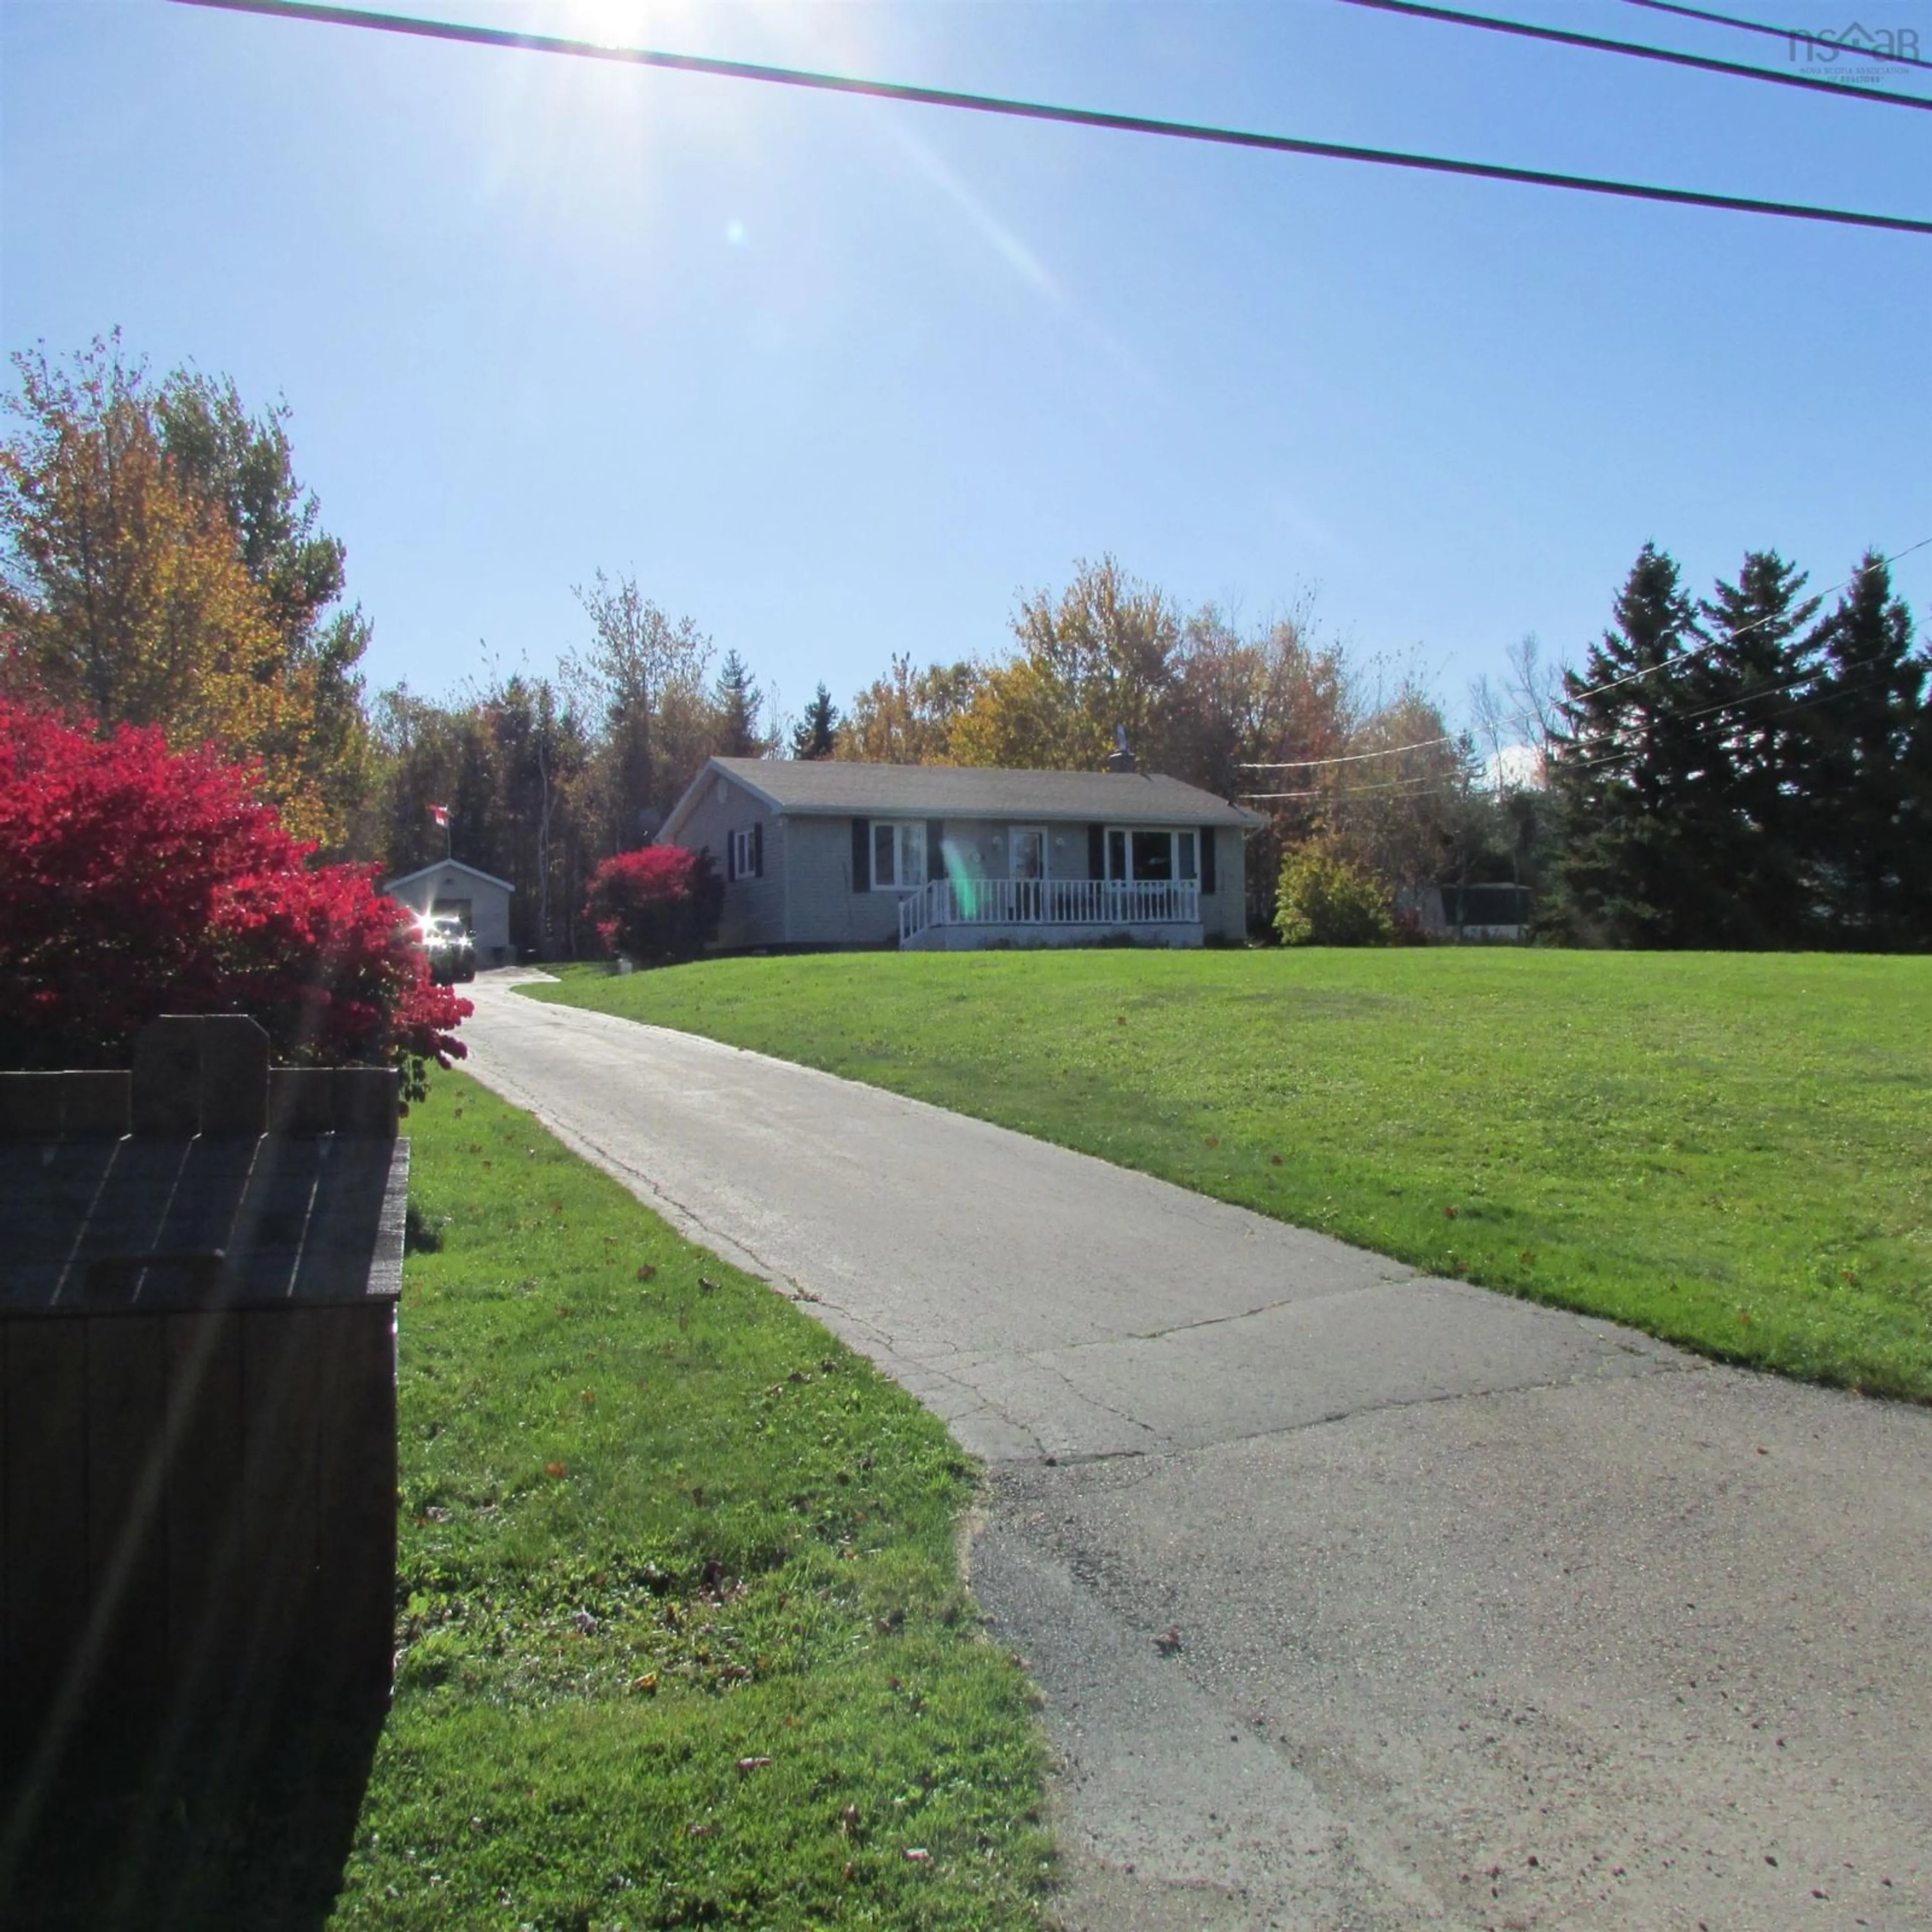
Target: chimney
[{"x": 1121, "y": 758}]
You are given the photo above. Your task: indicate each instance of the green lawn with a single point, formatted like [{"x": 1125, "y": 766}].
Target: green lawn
[
  {"x": 685, "y": 1642},
  {"x": 682, "y": 1637},
  {"x": 1730, "y": 1151}
]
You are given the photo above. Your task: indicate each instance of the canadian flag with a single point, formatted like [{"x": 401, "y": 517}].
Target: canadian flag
[{"x": 440, "y": 813}]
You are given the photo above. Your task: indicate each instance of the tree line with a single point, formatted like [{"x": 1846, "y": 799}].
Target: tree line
[{"x": 1748, "y": 769}]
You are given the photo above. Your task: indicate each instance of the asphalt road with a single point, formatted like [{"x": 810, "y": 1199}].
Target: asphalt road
[{"x": 1358, "y": 1600}]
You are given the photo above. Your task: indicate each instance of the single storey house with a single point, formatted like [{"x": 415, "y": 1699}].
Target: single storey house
[
  {"x": 826, "y": 854},
  {"x": 480, "y": 899}
]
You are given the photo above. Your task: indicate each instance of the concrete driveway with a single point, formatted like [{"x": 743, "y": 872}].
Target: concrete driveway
[{"x": 1358, "y": 1600}]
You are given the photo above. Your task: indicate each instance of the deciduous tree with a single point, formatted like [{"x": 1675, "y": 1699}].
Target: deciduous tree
[
  {"x": 907, "y": 717},
  {"x": 141, "y": 584}
]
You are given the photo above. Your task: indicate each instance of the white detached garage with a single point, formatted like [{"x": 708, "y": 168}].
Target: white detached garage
[{"x": 480, "y": 899}]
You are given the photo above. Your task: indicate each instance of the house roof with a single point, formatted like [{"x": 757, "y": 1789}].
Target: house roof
[
  {"x": 445, "y": 866},
  {"x": 835, "y": 787}
]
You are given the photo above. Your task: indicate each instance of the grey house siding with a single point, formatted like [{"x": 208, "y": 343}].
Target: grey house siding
[
  {"x": 1224, "y": 911},
  {"x": 815, "y": 887},
  {"x": 821, "y": 907},
  {"x": 754, "y": 912}
]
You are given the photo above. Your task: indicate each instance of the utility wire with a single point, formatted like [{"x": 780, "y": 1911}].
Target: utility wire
[
  {"x": 1711, "y": 643},
  {"x": 1034, "y": 110},
  {"x": 1671, "y": 663},
  {"x": 1349, "y": 758},
  {"x": 1791, "y": 36},
  {"x": 1429, "y": 787},
  {"x": 1638, "y": 50}
]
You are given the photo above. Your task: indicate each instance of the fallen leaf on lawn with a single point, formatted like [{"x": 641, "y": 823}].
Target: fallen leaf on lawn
[
  {"x": 703, "y": 1830},
  {"x": 647, "y": 1683},
  {"x": 1274, "y": 1160},
  {"x": 753, "y": 1763},
  {"x": 919, "y": 1856},
  {"x": 1168, "y": 1641},
  {"x": 1448, "y": 1213},
  {"x": 647, "y": 1272},
  {"x": 559, "y": 1470}
]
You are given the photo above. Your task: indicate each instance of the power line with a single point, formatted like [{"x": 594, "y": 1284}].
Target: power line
[
  {"x": 1032, "y": 110},
  {"x": 1638, "y": 50},
  {"x": 1791, "y": 36},
  {"x": 1348, "y": 757},
  {"x": 1430, "y": 787},
  {"x": 1671, "y": 663},
  {"x": 1743, "y": 631}
]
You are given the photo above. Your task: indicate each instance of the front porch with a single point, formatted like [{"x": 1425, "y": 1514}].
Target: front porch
[{"x": 958, "y": 915}]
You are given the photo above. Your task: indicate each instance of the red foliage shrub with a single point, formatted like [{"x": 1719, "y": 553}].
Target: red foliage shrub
[
  {"x": 135, "y": 881},
  {"x": 657, "y": 905}
]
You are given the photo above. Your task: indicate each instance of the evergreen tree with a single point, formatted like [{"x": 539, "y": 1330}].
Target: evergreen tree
[
  {"x": 1750, "y": 846},
  {"x": 738, "y": 702},
  {"x": 1869, "y": 816},
  {"x": 1628, "y": 776},
  {"x": 816, "y": 734}
]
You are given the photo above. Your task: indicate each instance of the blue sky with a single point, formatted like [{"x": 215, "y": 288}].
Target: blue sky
[{"x": 841, "y": 379}]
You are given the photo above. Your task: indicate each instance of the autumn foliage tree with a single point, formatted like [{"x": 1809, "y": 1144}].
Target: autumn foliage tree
[
  {"x": 159, "y": 566},
  {"x": 658, "y": 905},
  {"x": 135, "y": 881}
]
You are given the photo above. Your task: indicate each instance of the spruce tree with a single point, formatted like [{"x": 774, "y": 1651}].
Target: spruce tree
[
  {"x": 816, "y": 734},
  {"x": 1626, "y": 777},
  {"x": 1869, "y": 819},
  {"x": 1751, "y": 841},
  {"x": 739, "y": 701}
]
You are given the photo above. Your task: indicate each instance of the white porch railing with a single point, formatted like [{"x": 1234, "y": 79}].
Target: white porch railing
[{"x": 1049, "y": 902}]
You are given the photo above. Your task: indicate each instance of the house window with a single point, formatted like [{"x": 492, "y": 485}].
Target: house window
[
  {"x": 1137, "y": 854},
  {"x": 898, "y": 854},
  {"x": 747, "y": 854}
]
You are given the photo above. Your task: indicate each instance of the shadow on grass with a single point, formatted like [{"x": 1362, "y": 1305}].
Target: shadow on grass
[{"x": 245, "y": 1822}]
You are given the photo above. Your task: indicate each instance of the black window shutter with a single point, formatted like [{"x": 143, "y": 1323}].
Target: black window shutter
[
  {"x": 730, "y": 856},
  {"x": 1096, "y": 851},
  {"x": 862, "y": 855},
  {"x": 758, "y": 851},
  {"x": 1204, "y": 839},
  {"x": 935, "y": 838}
]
